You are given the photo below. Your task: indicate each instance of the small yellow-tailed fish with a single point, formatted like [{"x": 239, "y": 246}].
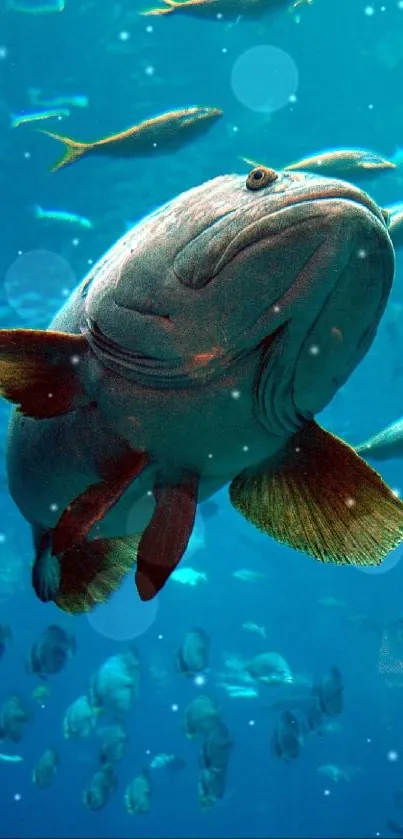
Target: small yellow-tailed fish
[
  {"x": 30, "y": 8},
  {"x": 350, "y": 164},
  {"x": 215, "y": 9},
  {"x": 38, "y": 116},
  {"x": 159, "y": 135},
  {"x": 62, "y": 215},
  {"x": 11, "y": 758}
]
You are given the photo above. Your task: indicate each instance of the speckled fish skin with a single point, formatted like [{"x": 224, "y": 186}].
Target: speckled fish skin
[{"x": 175, "y": 315}]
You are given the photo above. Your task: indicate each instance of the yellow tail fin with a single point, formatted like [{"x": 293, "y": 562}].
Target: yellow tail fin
[{"x": 74, "y": 150}]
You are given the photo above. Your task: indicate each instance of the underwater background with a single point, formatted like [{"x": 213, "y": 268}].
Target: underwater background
[{"x": 341, "y": 87}]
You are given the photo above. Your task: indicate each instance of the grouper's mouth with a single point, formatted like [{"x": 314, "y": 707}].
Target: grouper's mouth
[{"x": 148, "y": 371}]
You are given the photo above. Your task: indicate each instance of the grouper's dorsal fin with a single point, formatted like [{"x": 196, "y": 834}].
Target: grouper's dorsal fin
[
  {"x": 165, "y": 539},
  {"x": 40, "y": 371},
  {"x": 323, "y": 500},
  {"x": 92, "y": 505}
]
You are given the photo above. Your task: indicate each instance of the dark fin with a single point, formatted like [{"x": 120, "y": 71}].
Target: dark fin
[
  {"x": 93, "y": 504},
  {"x": 165, "y": 539},
  {"x": 46, "y": 568},
  {"x": 92, "y": 571},
  {"x": 323, "y": 500},
  {"x": 38, "y": 371},
  {"x": 74, "y": 150}
]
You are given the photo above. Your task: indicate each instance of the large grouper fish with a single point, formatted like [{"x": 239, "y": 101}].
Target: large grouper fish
[{"x": 196, "y": 353}]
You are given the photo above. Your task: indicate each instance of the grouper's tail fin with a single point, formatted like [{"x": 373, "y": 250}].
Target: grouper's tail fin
[
  {"x": 74, "y": 150},
  {"x": 91, "y": 571}
]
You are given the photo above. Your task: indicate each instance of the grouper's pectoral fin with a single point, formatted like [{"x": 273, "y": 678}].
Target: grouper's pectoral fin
[
  {"x": 39, "y": 371},
  {"x": 323, "y": 500},
  {"x": 93, "y": 504},
  {"x": 165, "y": 540}
]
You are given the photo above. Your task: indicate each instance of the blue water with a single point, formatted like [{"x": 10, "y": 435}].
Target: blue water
[{"x": 349, "y": 64}]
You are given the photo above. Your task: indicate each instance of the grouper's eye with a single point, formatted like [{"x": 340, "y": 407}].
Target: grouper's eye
[{"x": 260, "y": 177}]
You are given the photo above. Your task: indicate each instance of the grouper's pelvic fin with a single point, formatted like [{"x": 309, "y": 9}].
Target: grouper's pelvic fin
[
  {"x": 40, "y": 371},
  {"x": 165, "y": 539},
  {"x": 77, "y": 573},
  {"x": 323, "y": 500},
  {"x": 74, "y": 150},
  {"x": 92, "y": 505}
]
